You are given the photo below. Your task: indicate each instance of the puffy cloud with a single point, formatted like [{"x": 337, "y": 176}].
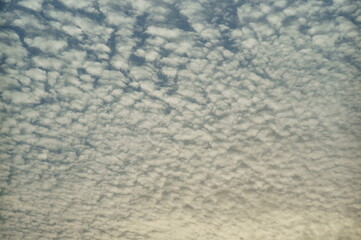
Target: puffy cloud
[
  {"x": 34, "y": 4},
  {"x": 163, "y": 32},
  {"x": 46, "y": 44},
  {"x": 180, "y": 120}
]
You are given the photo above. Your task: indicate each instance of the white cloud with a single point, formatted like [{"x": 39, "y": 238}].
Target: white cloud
[
  {"x": 35, "y": 5},
  {"x": 141, "y": 5},
  {"x": 280, "y": 4},
  {"x": 47, "y": 44},
  {"x": 169, "y": 72},
  {"x": 322, "y": 40},
  {"x": 250, "y": 43},
  {"x": 36, "y": 74},
  {"x": 275, "y": 19},
  {"x": 164, "y": 32},
  {"x": 229, "y": 112},
  {"x": 47, "y": 63},
  {"x": 85, "y": 5},
  {"x": 151, "y": 56}
]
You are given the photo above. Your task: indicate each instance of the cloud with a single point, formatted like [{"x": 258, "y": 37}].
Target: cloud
[
  {"x": 47, "y": 45},
  {"x": 34, "y": 5},
  {"x": 163, "y": 32},
  {"x": 180, "y": 120}
]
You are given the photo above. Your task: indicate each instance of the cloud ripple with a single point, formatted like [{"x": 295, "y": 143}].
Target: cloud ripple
[{"x": 171, "y": 119}]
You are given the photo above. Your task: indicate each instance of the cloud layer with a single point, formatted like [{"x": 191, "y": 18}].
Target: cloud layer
[{"x": 165, "y": 119}]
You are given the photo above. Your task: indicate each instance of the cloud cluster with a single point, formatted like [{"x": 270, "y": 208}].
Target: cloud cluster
[{"x": 166, "y": 119}]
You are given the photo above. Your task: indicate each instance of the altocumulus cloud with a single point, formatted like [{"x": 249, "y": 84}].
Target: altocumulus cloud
[{"x": 167, "y": 119}]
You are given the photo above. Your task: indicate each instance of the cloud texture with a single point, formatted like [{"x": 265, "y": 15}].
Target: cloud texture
[{"x": 166, "y": 119}]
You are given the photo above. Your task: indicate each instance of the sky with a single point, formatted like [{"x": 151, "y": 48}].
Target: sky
[{"x": 180, "y": 119}]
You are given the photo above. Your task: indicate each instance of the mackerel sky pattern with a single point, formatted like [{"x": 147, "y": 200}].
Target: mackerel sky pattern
[{"x": 180, "y": 119}]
